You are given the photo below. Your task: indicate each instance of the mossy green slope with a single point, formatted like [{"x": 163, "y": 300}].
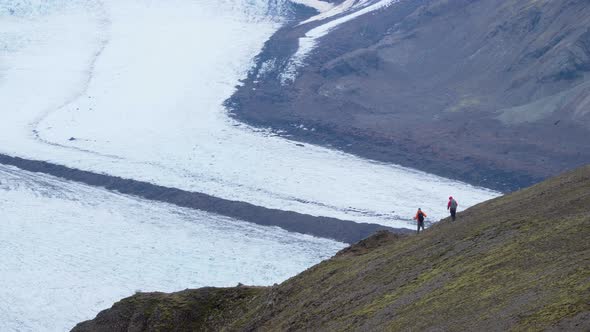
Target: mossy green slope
[
  {"x": 519, "y": 262},
  {"x": 204, "y": 309}
]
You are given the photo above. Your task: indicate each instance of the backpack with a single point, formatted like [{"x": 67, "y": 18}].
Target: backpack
[
  {"x": 420, "y": 216},
  {"x": 454, "y": 204}
]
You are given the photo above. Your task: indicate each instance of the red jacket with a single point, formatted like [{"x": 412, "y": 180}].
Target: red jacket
[{"x": 418, "y": 213}]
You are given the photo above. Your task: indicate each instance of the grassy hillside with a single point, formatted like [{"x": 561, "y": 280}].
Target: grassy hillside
[{"x": 519, "y": 262}]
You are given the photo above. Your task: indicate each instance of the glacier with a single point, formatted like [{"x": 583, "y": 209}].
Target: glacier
[
  {"x": 135, "y": 89},
  {"x": 70, "y": 250}
]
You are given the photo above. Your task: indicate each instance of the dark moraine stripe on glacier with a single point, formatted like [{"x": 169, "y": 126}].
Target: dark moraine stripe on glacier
[{"x": 332, "y": 228}]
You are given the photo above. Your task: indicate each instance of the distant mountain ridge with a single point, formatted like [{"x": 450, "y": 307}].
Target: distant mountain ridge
[
  {"x": 493, "y": 93},
  {"x": 518, "y": 262}
]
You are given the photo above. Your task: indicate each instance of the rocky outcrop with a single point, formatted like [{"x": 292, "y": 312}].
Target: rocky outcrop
[{"x": 493, "y": 93}]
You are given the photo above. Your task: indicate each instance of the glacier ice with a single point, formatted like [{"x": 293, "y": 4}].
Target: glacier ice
[
  {"x": 69, "y": 250},
  {"x": 139, "y": 86}
]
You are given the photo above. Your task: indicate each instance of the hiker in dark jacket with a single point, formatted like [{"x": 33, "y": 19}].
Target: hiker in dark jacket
[
  {"x": 452, "y": 206},
  {"x": 420, "y": 215}
]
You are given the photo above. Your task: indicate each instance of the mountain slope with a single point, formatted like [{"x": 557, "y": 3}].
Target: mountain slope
[
  {"x": 476, "y": 90},
  {"x": 521, "y": 261}
]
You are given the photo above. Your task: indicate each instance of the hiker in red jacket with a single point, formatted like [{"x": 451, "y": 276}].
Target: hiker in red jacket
[
  {"x": 453, "y": 207},
  {"x": 420, "y": 215}
]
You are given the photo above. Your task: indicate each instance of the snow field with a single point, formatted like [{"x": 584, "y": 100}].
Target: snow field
[{"x": 70, "y": 250}]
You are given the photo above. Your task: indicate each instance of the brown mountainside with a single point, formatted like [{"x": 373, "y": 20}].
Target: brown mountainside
[
  {"x": 518, "y": 262},
  {"x": 496, "y": 93}
]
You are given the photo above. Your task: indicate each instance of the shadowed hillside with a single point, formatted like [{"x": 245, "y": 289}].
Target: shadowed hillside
[
  {"x": 521, "y": 261},
  {"x": 478, "y": 90}
]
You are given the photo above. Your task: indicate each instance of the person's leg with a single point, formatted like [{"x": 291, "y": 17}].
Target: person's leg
[
  {"x": 453, "y": 213},
  {"x": 418, "y": 230}
]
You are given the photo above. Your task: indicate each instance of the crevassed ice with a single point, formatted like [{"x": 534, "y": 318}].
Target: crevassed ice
[
  {"x": 70, "y": 250},
  {"x": 135, "y": 89},
  {"x": 36, "y": 8}
]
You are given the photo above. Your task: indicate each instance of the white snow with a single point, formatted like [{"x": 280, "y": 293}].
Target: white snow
[
  {"x": 320, "y": 6},
  {"x": 337, "y": 10},
  {"x": 311, "y": 38},
  {"x": 140, "y": 86},
  {"x": 70, "y": 250}
]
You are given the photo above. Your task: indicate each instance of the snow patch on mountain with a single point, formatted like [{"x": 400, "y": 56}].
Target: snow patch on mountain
[
  {"x": 320, "y": 6},
  {"x": 308, "y": 43},
  {"x": 337, "y": 10}
]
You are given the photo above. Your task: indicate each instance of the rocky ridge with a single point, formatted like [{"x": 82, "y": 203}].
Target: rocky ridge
[{"x": 518, "y": 262}]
